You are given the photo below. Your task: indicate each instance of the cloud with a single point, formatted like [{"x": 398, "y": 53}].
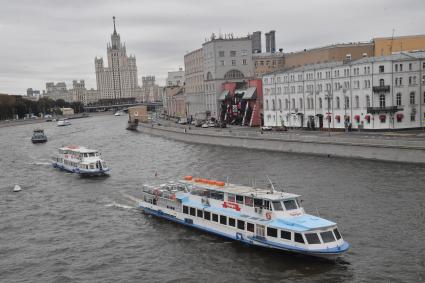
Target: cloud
[{"x": 57, "y": 40}]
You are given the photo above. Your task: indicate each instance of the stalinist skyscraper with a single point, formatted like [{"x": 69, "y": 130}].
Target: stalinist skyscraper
[{"x": 119, "y": 79}]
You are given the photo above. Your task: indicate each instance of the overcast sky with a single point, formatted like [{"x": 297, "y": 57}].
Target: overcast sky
[{"x": 57, "y": 40}]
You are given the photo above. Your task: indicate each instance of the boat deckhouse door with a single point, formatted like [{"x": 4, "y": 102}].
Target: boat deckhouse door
[{"x": 260, "y": 231}]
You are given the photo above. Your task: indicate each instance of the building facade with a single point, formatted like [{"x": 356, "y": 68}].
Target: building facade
[
  {"x": 150, "y": 91},
  {"x": 176, "y": 78},
  {"x": 194, "y": 82},
  {"x": 267, "y": 62},
  {"x": 385, "y": 46},
  {"x": 376, "y": 93},
  {"x": 119, "y": 79},
  {"x": 175, "y": 103},
  {"x": 58, "y": 91}
]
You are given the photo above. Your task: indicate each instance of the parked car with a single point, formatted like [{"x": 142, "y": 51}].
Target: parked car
[{"x": 266, "y": 128}]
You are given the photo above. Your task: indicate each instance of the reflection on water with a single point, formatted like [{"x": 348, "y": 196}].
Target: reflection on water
[{"x": 65, "y": 228}]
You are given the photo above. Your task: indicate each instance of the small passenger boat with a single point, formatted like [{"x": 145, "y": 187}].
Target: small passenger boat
[
  {"x": 38, "y": 136},
  {"x": 64, "y": 122},
  {"x": 255, "y": 216},
  {"x": 80, "y": 160}
]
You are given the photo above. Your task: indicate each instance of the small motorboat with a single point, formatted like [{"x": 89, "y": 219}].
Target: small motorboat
[
  {"x": 64, "y": 122},
  {"x": 38, "y": 136},
  {"x": 17, "y": 188},
  {"x": 119, "y": 113}
]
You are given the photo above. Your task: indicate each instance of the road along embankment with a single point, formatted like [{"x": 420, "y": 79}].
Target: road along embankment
[{"x": 394, "y": 150}]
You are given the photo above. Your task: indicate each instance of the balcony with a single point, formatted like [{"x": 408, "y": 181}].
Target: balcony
[
  {"x": 389, "y": 109},
  {"x": 382, "y": 88}
]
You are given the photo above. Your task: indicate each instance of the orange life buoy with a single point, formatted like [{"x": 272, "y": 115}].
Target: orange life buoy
[{"x": 268, "y": 215}]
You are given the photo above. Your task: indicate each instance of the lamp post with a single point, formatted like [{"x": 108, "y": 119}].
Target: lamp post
[{"x": 328, "y": 97}]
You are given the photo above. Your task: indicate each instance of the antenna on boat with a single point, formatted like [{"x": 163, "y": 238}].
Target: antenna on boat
[{"x": 272, "y": 189}]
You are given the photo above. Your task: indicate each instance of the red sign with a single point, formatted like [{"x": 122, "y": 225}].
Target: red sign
[{"x": 231, "y": 205}]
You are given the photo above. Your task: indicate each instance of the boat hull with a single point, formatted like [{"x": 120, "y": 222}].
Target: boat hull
[
  {"x": 83, "y": 173},
  {"x": 39, "y": 140},
  {"x": 331, "y": 254}
]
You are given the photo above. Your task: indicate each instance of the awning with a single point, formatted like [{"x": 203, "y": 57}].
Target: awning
[
  {"x": 223, "y": 95},
  {"x": 338, "y": 117},
  {"x": 240, "y": 91},
  {"x": 357, "y": 117},
  {"x": 250, "y": 93},
  {"x": 400, "y": 116}
]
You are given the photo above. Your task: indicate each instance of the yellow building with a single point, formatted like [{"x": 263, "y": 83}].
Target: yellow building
[
  {"x": 67, "y": 111},
  {"x": 385, "y": 46}
]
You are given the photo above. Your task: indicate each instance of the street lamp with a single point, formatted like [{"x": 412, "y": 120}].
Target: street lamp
[{"x": 328, "y": 97}]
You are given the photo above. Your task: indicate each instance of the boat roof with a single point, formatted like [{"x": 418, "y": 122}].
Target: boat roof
[
  {"x": 77, "y": 148},
  {"x": 243, "y": 190}
]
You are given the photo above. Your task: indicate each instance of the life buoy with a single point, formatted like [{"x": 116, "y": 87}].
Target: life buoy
[{"x": 268, "y": 215}]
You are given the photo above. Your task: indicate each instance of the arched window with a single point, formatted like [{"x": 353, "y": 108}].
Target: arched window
[
  {"x": 301, "y": 103},
  {"x": 267, "y": 105},
  {"x": 338, "y": 103},
  {"x": 233, "y": 74},
  {"x": 293, "y": 103},
  {"x": 286, "y": 104},
  {"x": 382, "y": 100},
  {"x": 280, "y": 104},
  {"x": 412, "y": 98},
  {"x": 398, "y": 98},
  {"x": 357, "y": 101},
  {"x": 381, "y": 82},
  {"x": 320, "y": 103},
  {"x": 346, "y": 102},
  {"x": 367, "y": 101},
  {"x": 209, "y": 76}
]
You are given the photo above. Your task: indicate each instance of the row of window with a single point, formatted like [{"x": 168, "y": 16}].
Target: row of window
[
  {"x": 312, "y": 238},
  {"x": 232, "y": 53}
]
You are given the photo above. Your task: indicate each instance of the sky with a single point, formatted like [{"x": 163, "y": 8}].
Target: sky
[{"x": 57, "y": 40}]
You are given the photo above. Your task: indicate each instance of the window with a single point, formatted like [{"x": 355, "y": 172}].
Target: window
[
  {"x": 424, "y": 97},
  {"x": 207, "y": 215},
  {"x": 412, "y": 98},
  {"x": 285, "y": 235},
  {"x": 357, "y": 101},
  {"x": 244, "y": 62},
  {"x": 277, "y": 206},
  {"x": 337, "y": 234},
  {"x": 220, "y": 53},
  {"x": 231, "y": 197},
  {"x": 271, "y": 232},
  {"x": 381, "y": 69},
  {"x": 215, "y": 217},
  {"x": 299, "y": 238},
  {"x": 200, "y": 213},
  {"x": 410, "y": 66},
  {"x": 320, "y": 103},
  {"x": 192, "y": 211},
  {"x": 396, "y": 67},
  {"x": 239, "y": 199},
  {"x": 241, "y": 225},
  {"x": 312, "y": 238},
  {"x": 185, "y": 209},
  {"x": 398, "y": 98},
  {"x": 328, "y": 237},
  {"x": 346, "y": 102},
  {"x": 222, "y": 63},
  {"x": 223, "y": 220},
  {"x": 267, "y": 105},
  {"x": 382, "y": 100},
  {"x": 273, "y": 107},
  {"x": 290, "y": 204},
  {"x": 367, "y": 101},
  {"x": 217, "y": 195},
  {"x": 248, "y": 201},
  {"x": 232, "y": 53},
  {"x": 233, "y": 62},
  {"x": 250, "y": 227},
  {"x": 233, "y": 74},
  {"x": 232, "y": 222},
  {"x": 412, "y": 117},
  {"x": 381, "y": 82},
  {"x": 301, "y": 103},
  {"x": 410, "y": 80},
  {"x": 280, "y": 104},
  {"x": 293, "y": 103},
  {"x": 338, "y": 104}
]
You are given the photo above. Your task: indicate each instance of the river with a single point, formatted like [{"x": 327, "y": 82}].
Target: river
[{"x": 63, "y": 228}]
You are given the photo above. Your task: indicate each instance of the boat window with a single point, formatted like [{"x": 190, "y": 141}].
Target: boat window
[
  {"x": 277, "y": 206},
  {"x": 286, "y": 235},
  {"x": 250, "y": 227},
  {"x": 248, "y": 201},
  {"x": 207, "y": 215},
  {"x": 327, "y": 237},
  {"x": 217, "y": 195},
  {"x": 312, "y": 238},
  {"x": 231, "y": 197},
  {"x": 192, "y": 211},
  {"x": 241, "y": 224},
  {"x": 215, "y": 217},
  {"x": 290, "y": 204},
  {"x": 185, "y": 209},
  {"x": 299, "y": 238},
  {"x": 223, "y": 220},
  {"x": 258, "y": 202},
  {"x": 239, "y": 199},
  {"x": 91, "y": 166},
  {"x": 200, "y": 213},
  {"x": 337, "y": 234},
  {"x": 232, "y": 222},
  {"x": 271, "y": 232}
]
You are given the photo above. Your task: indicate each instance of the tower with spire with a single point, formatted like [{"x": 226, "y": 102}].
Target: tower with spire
[{"x": 119, "y": 79}]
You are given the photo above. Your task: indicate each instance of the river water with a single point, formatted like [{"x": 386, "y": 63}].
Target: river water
[{"x": 63, "y": 228}]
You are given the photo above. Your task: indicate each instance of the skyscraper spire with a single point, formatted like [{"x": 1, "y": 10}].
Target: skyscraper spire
[{"x": 115, "y": 31}]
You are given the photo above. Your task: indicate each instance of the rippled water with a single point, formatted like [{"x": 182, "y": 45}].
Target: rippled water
[{"x": 62, "y": 228}]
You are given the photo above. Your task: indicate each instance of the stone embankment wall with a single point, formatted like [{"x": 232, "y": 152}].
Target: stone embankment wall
[{"x": 395, "y": 150}]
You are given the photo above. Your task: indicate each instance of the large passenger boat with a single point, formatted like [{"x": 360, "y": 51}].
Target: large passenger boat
[
  {"x": 255, "y": 216},
  {"x": 80, "y": 160}
]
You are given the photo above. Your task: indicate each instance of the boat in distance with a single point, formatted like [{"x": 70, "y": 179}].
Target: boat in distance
[
  {"x": 38, "y": 136},
  {"x": 64, "y": 122},
  {"x": 80, "y": 160},
  {"x": 255, "y": 216}
]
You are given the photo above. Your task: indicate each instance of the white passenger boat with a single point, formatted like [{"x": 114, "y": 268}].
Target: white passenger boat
[
  {"x": 80, "y": 160},
  {"x": 119, "y": 113},
  {"x": 258, "y": 217},
  {"x": 64, "y": 122}
]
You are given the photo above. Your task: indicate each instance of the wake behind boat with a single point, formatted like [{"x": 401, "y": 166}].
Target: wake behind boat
[
  {"x": 80, "y": 160},
  {"x": 258, "y": 217}
]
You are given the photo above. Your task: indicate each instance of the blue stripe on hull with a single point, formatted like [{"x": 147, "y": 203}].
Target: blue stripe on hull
[
  {"x": 80, "y": 172},
  {"x": 328, "y": 253}
]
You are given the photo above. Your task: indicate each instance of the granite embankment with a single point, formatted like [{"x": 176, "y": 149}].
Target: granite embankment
[{"x": 397, "y": 148}]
